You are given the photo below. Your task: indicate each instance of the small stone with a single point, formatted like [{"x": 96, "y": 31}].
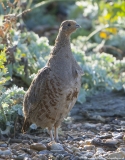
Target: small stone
[
  {"x": 75, "y": 149},
  {"x": 100, "y": 158},
  {"x": 88, "y": 142},
  {"x": 99, "y": 151},
  {"x": 116, "y": 155},
  {"x": 122, "y": 123},
  {"x": 76, "y": 125},
  {"x": 26, "y": 158},
  {"x": 44, "y": 152},
  {"x": 16, "y": 146},
  {"x": 89, "y": 125},
  {"x": 66, "y": 158},
  {"x": 5, "y": 152},
  {"x": 38, "y": 146},
  {"x": 22, "y": 156},
  {"x": 111, "y": 141},
  {"x": 106, "y": 127},
  {"x": 89, "y": 154},
  {"x": 68, "y": 150},
  {"x": 123, "y": 128},
  {"x": 3, "y": 145},
  {"x": 59, "y": 151},
  {"x": 13, "y": 156},
  {"x": 77, "y": 118},
  {"x": 105, "y": 136},
  {"x": 78, "y": 138},
  {"x": 98, "y": 118},
  {"x": 124, "y": 137},
  {"x": 89, "y": 147},
  {"x": 81, "y": 143},
  {"x": 55, "y": 146},
  {"x": 39, "y": 157},
  {"x": 117, "y": 135},
  {"x": 59, "y": 156},
  {"x": 121, "y": 148},
  {"x": 83, "y": 158},
  {"x": 75, "y": 158}
]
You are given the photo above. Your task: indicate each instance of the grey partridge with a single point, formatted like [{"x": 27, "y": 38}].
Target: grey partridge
[{"x": 54, "y": 90}]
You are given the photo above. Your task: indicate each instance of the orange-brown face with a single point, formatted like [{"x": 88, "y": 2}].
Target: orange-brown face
[{"x": 69, "y": 26}]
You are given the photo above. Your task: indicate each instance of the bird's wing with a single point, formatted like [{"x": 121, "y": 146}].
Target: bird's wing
[{"x": 36, "y": 91}]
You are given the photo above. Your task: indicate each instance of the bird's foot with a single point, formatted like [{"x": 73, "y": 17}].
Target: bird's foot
[{"x": 57, "y": 140}]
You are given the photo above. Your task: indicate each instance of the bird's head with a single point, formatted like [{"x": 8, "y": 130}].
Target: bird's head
[{"x": 68, "y": 27}]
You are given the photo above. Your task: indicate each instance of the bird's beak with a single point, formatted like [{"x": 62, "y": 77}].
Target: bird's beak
[{"x": 78, "y": 26}]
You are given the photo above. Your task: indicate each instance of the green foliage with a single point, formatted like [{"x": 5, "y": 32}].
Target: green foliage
[
  {"x": 10, "y": 99},
  {"x": 101, "y": 71},
  {"x": 33, "y": 51},
  {"x": 3, "y": 69},
  {"x": 10, "y": 105}
]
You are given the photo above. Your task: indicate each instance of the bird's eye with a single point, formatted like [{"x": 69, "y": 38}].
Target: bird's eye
[{"x": 69, "y": 24}]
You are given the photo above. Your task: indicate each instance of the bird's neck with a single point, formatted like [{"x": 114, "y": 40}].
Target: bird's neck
[
  {"x": 62, "y": 41},
  {"x": 62, "y": 38}
]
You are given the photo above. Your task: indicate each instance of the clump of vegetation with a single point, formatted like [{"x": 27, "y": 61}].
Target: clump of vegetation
[{"x": 10, "y": 99}]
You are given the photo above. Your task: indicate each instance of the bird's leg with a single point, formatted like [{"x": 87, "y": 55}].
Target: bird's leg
[
  {"x": 51, "y": 134},
  {"x": 56, "y": 134}
]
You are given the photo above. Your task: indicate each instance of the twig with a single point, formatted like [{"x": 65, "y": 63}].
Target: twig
[{"x": 19, "y": 15}]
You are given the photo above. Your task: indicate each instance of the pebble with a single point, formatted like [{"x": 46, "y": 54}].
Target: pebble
[
  {"x": 117, "y": 135},
  {"x": 16, "y": 146},
  {"x": 22, "y": 157},
  {"x": 89, "y": 154},
  {"x": 44, "y": 152},
  {"x": 100, "y": 158},
  {"x": 89, "y": 147},
  {"x": 111, "y": 141},
  {"x": 99, "y": 151},
  {"x": 59, "y": 156},
  {"x": 76, "y": 125},
  {"x": 83, "y": 158},
  {"x": 5, "y": 152},
  {"x": 121, "y": 148},
  {"x": 116, "y": 155},
  {"x": 77, "y": 118},
  {"x": 39, "y": 157},
  {"x": 78, "y": 139},
  {"x": 68, "y": 150},
  {"x": 59, "y": 151},
  {"x": 89, "y": 125},
  {"x": 38, "y": 146},
  {"x": 55, "y": 146},
  {"x": 105, "y": 136},
  {"x": 75, "y": 149},
  {"x": 88, "y": 142},
  {"x": 122, "y": 123},
  {"x": 66, "y": 158},
  {"x": 97, "y": 118},
  {"x": 3, "y": 145},
  {"x": 106, "y": 127}
]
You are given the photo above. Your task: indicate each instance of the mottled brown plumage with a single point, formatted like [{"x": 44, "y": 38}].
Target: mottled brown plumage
[{"x": 54, "y": 90}]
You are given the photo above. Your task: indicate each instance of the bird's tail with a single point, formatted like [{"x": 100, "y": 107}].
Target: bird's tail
[{"x": 26, "y": 125}]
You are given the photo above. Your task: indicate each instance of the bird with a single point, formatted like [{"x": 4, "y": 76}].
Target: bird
[{"x": 55, "y": 88}]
